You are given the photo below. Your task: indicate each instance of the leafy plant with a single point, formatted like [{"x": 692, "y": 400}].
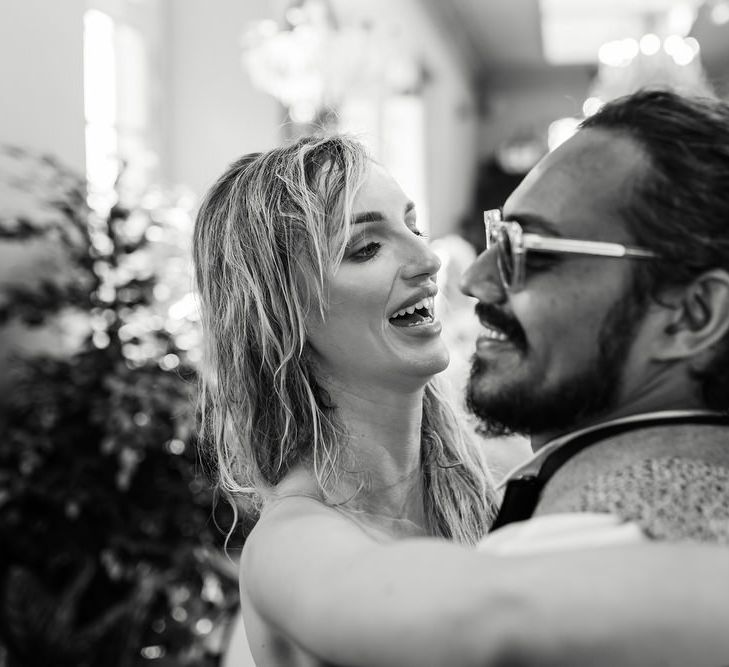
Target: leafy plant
[{"x": 111, "y": 552}]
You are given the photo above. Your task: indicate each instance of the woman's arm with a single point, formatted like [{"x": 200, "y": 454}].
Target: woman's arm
[{"x": 348, "y": 600}]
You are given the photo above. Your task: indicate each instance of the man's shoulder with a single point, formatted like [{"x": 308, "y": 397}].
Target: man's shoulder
[{"x": 671, "y": 497}]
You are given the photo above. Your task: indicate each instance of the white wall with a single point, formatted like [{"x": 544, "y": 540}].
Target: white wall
[
  {"x": 41, "y": 109},
  {"x": 215, "y": 114},
  {"x": 41, "y": 77}
]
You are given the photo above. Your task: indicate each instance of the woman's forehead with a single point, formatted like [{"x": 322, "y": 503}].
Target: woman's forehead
[{"x": 379, "y": 191}]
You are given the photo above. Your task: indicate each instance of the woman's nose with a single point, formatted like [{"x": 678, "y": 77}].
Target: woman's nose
[
  {"x": 481, "y": 280},
  {"x": 423, "y": 262}
]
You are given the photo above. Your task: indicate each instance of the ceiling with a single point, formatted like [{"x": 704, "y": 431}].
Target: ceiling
[
  {"x": 494, "y": 36},
  {"x": 505, "y": 39}
]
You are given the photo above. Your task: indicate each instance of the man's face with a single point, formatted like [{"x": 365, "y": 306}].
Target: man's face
[{"x": 566, "y": 348}]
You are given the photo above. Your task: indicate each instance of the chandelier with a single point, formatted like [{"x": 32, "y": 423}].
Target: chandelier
[
  {"x": 310, "y": 62},
  {"x": 662, "y": 57},
  {"x": 629, "y": 64}
]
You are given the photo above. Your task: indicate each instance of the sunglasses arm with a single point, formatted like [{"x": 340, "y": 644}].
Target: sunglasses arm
[{"x": 538, "y": 243}]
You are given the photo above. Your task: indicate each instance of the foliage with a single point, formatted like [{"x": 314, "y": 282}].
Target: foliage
[{"x": 110, "y": 550}]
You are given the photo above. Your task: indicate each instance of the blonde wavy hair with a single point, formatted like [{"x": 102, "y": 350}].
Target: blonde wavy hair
[{"x": 268, "y": 235}]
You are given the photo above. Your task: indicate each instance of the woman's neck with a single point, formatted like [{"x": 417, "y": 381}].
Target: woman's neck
[
  {"x": 380, "y": 452},
  {"x": 383, "y": 441}
]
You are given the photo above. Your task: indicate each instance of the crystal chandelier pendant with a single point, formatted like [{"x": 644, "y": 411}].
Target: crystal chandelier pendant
[{"x": 310, "y": 63}]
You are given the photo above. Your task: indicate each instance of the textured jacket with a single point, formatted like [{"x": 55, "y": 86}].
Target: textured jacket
[{"x": 671, "y": 480}]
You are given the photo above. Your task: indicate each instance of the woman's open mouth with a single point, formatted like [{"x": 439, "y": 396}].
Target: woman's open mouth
[{"x": 415, "y": 315}]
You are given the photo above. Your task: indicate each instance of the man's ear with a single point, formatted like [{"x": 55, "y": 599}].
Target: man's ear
[{"x": 699, "y": 317}]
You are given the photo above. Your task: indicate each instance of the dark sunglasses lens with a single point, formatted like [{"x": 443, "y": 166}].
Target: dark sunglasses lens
[{"x": 505, "y": 257}]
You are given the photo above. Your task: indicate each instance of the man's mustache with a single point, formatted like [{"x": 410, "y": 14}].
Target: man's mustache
[{"x": 498, "y": 319}]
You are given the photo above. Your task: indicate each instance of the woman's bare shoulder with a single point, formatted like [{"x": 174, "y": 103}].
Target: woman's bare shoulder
[
  {"x": 296, "y": 511},
  {"x": 283, "y": 568},
  {"x": 299, "y": 519}
]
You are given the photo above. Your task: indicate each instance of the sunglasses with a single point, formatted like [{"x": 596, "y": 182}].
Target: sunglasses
[{"x": 512, "y": 243}]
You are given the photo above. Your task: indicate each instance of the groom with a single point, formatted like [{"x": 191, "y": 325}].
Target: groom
[{"x": 604, "y": 301}]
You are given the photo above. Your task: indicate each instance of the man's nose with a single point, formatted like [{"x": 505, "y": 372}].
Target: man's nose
[{"x": 481, "y": 280}]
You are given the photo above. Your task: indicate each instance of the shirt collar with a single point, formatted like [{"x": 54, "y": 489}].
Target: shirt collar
[{"x": 533, "y": 464}]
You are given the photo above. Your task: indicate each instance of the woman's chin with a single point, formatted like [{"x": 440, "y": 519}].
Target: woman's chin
[{"x": 428, "y": 366}]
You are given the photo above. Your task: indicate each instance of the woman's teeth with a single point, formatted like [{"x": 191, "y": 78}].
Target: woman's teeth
[{"x": 426, "y": 304}]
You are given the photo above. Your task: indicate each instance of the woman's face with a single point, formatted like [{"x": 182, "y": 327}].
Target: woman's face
[{"x": 380, "y": 326}]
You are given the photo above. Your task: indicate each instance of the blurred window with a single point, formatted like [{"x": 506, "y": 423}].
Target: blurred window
[
  {"x": 118, "y": 42},
  {"x": 100, "y": 105}
]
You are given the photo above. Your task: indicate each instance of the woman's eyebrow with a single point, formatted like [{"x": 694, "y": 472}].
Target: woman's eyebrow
[
  {"x": 377, "y": 216},
  {"x": 367, "y": 216}
]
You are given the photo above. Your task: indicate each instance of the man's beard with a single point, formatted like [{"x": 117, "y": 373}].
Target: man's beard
[{"x": 527, "y": 408}]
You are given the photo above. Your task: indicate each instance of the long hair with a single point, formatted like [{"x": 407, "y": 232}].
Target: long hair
[
  {"x": 679, "y": 205},
  {"x": 267, "y": 236}
]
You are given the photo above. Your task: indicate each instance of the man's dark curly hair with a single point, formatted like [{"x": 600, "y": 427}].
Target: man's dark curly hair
[{"x": 679, "y": 206}]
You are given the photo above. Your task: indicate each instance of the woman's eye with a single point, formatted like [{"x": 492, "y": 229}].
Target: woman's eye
[
  {"x": 417, "y": 232},
  {"x": 366, "y": 252}
]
